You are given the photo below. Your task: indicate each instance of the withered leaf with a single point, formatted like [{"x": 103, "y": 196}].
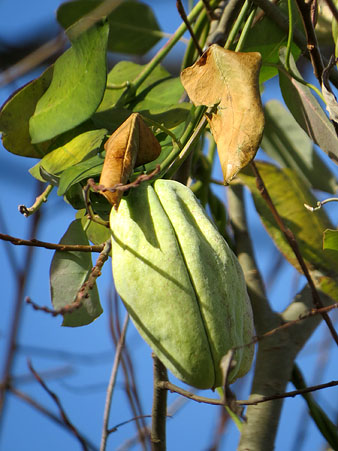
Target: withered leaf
[
  {"x": 229, "y": 81},
  {"x": 131, "y": 145}
]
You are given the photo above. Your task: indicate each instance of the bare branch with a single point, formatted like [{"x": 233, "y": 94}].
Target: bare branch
[
  {"x": 111, "y": 385},
  {"x": 40, "y": 408},
  {"x": 58, "y": 247},
  {"x": 184, "y": 17},
  {"x": 63, "y": 414}
]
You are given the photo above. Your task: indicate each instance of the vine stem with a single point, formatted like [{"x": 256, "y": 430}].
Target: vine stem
[
  {"x": 294, "y": 246},
  {"x": 111, "y": 385}
]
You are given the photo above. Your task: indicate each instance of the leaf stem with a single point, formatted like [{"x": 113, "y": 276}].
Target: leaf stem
[
  {"x": 321, "y": 203},
  {"x": 237, "y": 25},
  {"x": 246, "y": 29},
  {"x": 290, "y": 37}
]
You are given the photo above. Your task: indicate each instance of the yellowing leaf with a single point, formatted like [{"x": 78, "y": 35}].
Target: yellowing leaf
[
  {"x": 132, "y": 144},
  {"x": 229, "y": 81}
]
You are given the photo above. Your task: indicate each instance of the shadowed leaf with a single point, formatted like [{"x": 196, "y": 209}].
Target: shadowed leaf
[
  {"x": 287, "y": 143},
  {"x": 15, "y": 114},
  {"x": 78, "y": 149},
  {"x": 68, "y": 272},
  {"x": 307, "y": 111},
  {"x": 133, "y": 26}
]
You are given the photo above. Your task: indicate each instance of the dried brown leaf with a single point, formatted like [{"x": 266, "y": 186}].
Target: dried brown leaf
[
  {"x": 229, "y": 81},
  {"x": 132, "y": 144}
]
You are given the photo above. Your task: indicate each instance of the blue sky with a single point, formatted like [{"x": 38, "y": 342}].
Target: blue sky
[{"x": 88, "y": 353}]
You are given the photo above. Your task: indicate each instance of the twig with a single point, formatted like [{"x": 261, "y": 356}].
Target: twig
[
  {"x": 111, "y": 385},
  {"x": 271, "y": 332},
  {"x": 98, "y": 188},
  {"x": 321, "y": 203},
  {"x": 290, "y": 394},
  {"x": 119, "y": 186},
  {"x": 184, "y": 17},
  {"x": 17, "y": 309},
  {"x": 294, "y": 246},
  {"x": 159, "y": 411},
  {"x": 305, "y": 9},
  {"x": 59, "y": 247},
  {"x": 57, "y": 401},
  {"x": 40, "y": 408},
  {"x": 247, "y": 402},
  {"x": 130, "y": 385},
  {"x": 115, "y": 428},
  {"x": 33, "y": 60},
  {"x": 27, "y": 211},
  {"x": 83, "y": 291}
]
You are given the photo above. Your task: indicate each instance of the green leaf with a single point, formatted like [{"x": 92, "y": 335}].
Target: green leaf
[
  {"x": 81, "y": 171},
  {"x": 159, "y": 96},
  {"x": 133, "y": 26},
  {"x": 286, "y": 142},
  {"x": 78, "y": 149},
  {"x": 288, "y": 193},
  {"x": 307, "y": 111},
  {"x": 126, "y": 71},
  {"x": 77, "y": 87},
  {"x": 15, "y": 114},
  {"x": 68, "y": 272},
  {"x": 96, "y": 233},
  {"x": 330, "y": 241},
  {"x": 266, "y": 38},
  {"x": 112, "y": 118}
]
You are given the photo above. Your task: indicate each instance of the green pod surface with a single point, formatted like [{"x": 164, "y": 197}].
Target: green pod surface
[{"x": 181, "y": 283}]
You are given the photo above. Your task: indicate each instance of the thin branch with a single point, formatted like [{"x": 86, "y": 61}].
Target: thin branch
[
  {"x": 294, "y": 246},
  {"x": 58, "y": 247},
  {"x": 130, "y": 385},
  {"x": 63, "y": 414},
  {"x": 159, "y": 411},
  {"x": 33, "y": 60},
  {"x": 22, "y": 277},
  {"x": 255, "y": 399},
  {"x": 115, "y": 428},
  {"x": 40, "y": 408},
  {"x": 184, "y": 17},
  {"x": 111, "y": 385},
  {"x": 121, "y": 187},
  {"x": 302, "y": 317},
  {"x": 83, "y": 291},
  {"x": 305, "y": 9},
  {"x": 27, "y": 211}
]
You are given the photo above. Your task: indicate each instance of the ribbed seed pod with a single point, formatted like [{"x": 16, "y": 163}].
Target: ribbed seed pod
[{"x": 181, "y": 283}]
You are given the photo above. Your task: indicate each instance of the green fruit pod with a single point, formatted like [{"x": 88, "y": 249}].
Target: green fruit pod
[{"x": 181, "y": 284}]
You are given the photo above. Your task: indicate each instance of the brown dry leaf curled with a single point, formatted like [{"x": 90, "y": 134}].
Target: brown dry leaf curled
[
  {"x": 229, "y": 81},
  {"x": 131, "y": 145}
]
